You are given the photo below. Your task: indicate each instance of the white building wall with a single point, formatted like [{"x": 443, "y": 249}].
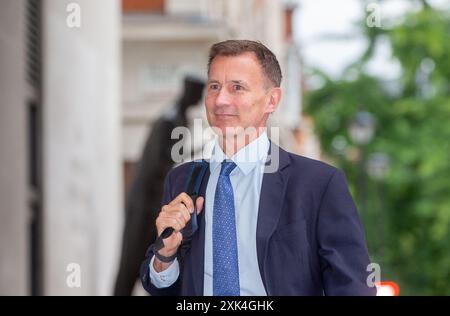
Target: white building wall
[{"x": 82, "y": 171}]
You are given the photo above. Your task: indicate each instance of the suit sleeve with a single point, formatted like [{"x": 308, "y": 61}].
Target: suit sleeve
[
  {"x": 342, "y": 247},
  {"x": 174, "y": 289}
]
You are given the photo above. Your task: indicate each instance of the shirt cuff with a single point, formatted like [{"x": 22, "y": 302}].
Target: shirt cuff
[{"x": 164, "y": 278}]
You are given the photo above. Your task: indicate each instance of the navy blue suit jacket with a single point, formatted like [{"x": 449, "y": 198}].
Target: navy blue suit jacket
[{"x": 309, "y": 238}]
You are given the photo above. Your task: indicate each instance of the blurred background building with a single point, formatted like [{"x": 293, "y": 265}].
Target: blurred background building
[{"x": 77, "y": 102}]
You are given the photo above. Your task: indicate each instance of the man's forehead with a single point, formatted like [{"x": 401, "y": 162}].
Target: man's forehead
[
  {"x": 245, "y": 57},
  {"x": 246, "y": 65}
]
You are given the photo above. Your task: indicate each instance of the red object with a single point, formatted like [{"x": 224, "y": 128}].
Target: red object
[
  {"x": 387, "y": 288},
  {"x": 156, "y": 6}
]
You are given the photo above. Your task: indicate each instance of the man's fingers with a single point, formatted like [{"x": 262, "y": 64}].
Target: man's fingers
[
  {"x": 170, "y": 221},
  {"x": 178, "y": 210},
  {"x": 177, "y": 213},
  {"x": 171, "y": 243},
  {"x": 199, "y": 203},
  {"x": 185, "y": 199},
  {"x": 185, "y": 213},
  {"x": 179, "y": 237}
]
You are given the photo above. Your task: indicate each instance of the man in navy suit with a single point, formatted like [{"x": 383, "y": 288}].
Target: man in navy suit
[{"x": 292, "y": 230}]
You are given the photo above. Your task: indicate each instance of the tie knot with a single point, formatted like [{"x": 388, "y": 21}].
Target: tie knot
[{"x": 227, "y": 167}]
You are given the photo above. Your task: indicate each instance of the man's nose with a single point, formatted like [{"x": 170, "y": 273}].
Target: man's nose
[{"x": 223, "y": 98}]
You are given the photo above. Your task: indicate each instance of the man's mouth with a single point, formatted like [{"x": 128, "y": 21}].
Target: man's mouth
[{"x": 225, "y": 114}]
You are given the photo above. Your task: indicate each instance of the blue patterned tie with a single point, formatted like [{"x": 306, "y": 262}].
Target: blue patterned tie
[{"x": 225, "y": 252}]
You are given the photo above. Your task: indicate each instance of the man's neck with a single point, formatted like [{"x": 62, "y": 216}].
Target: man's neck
[{"x": 231, "y": 144}]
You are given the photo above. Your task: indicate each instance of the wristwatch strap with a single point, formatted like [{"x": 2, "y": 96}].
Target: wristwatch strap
[{"x": 164, "y": 258}]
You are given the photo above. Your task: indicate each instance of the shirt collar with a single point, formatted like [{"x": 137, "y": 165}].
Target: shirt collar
[{"x": 246, "y": 158}]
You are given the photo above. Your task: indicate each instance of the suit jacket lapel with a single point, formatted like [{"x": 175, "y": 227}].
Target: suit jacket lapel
[{"x": 270, "y": 203}]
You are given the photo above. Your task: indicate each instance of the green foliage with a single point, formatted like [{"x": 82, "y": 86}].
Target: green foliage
[{"x": 407, "y": 214}]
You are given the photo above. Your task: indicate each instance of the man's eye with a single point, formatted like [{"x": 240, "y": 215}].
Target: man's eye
[
  {"x": 238, "y": 87},
  {"x": 214, "y": 86}
]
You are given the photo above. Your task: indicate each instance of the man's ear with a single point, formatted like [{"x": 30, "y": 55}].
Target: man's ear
[{"x": 274, "y": 99}]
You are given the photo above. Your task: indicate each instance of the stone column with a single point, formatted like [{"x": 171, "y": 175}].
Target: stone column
[
  {"x": 82, "y": 163},
  {"x": 13, "y": 145}
]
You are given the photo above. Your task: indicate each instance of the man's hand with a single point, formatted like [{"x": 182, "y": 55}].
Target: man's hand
[{"x": 176, "y": 214}]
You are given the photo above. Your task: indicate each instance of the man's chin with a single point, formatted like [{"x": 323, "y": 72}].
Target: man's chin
[
  {"x": 228, "y": 131},
  {"x": 235, "y": 131}
]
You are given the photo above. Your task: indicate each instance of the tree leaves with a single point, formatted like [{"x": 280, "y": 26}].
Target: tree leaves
[{"x": 407, "y": 215}]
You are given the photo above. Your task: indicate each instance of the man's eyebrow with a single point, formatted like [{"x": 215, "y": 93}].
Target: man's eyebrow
[
  {"x": 239, "y": 82},
  {"x": 232, "y": 81}
]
